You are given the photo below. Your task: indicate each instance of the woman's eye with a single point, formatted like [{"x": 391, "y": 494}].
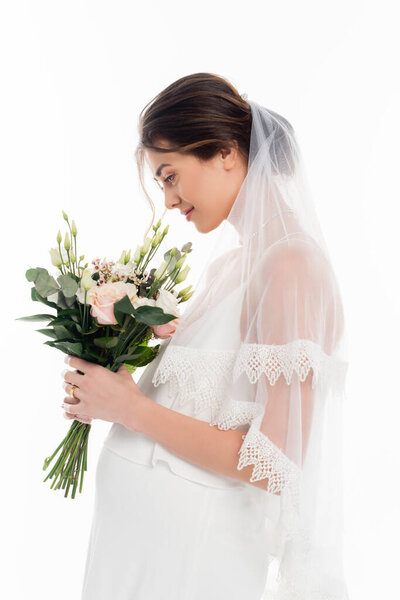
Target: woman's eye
[{"x": 167, "y": 179}]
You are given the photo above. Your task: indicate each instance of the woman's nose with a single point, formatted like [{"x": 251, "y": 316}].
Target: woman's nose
[{"x": 171, "y": 200}]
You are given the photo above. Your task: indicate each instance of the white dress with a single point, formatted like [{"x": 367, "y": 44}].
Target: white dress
[{"x": 165, "y": 528}]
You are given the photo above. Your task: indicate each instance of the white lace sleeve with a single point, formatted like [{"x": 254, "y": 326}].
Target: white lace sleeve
[
  {"x": 269, "y": 461},
  {"x": 290, "y": 364}
]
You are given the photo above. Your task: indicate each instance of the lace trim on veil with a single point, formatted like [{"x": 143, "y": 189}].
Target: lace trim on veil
[
  {"x": 298, "y": 356},
  {"x": 269, "y": 460},
  {"x": 201, "y": 377}
]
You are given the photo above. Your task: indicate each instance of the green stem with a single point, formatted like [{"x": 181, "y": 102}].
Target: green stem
[
  {"x": 63, "y": 443},
  {"x": 72, "y": 241},
  {"x": 59, "y": 249},
  {"x": 76, "y": 258},
  {"x": 71, "y": 461},
  {"x": 68, "y": 441},
  {"x": 80, "y": 460},
  {"x": 58, "y": 467},
  {"x": 84, "y": 312},
  {"x": 151, "y": 254}
]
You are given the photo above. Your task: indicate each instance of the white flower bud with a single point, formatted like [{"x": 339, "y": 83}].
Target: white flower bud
[
  {"x": 182, "y": 275},
  {"x": 55, "y": 257},
  {"x": 67, "y": 242},
  {"x": 86, "y": 280},
  {"x": 161, "y": 270},
  {"x": 136, "y": 256},
  {"x": 146, "y": 245}
]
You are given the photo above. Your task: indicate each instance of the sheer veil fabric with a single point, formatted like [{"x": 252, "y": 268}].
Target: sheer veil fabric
[{"x": 267, "y": 318}]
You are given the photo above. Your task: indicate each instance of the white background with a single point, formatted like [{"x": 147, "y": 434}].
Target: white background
[{"x": 74, "y": 78}]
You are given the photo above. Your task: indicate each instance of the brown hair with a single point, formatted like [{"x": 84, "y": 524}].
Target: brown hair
[{"x": 198, "y": 114}]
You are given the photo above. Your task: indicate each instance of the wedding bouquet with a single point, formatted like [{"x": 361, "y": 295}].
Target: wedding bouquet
[{"x": 107, "y": 315}]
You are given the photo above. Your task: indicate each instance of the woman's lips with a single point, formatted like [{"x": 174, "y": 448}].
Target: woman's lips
[{"x": 188, "y": 215}]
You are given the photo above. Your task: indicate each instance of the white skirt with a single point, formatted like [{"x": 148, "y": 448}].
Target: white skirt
[{"x": 157, "y": 535}]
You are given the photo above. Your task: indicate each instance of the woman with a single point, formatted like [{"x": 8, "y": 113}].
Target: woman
[{"x": 220, "y": 476}]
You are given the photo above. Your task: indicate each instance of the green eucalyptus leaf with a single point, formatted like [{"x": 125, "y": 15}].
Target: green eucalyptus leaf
[
  {"x": 45, "y": 284},
  {"x": 68, "y": 285},
  {"x": 187, "y": 247},
  {"x": 31, "y": 274},
  {"x": 61, "y": 301},
  {"x": 70, "y": 300},
  {"x": 175, "y": 258},
  {"x": 38, "y": 298}
]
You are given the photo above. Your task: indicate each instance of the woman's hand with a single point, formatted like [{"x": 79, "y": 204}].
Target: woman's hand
[{"x": 101, "y": 394}]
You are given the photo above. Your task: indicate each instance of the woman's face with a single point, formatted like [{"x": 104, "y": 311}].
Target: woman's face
[{"x": 209, "y": 187}]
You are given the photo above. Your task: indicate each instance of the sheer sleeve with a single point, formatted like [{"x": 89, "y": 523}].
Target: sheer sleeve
[{"x": 291, "y": 320}]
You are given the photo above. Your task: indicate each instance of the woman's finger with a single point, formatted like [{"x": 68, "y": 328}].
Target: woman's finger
[
  {"x": 78, "y": 363},
  {"x": 73, "y": 377},
  {"x": 79, "y": 393},
  {"x": 81, "y": 418},
  {"x": 69, "y": 407},
  {"x": 73, "y": 405}
]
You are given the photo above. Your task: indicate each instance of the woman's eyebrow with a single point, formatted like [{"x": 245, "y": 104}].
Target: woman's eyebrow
[{"x": 158, "y": 172}]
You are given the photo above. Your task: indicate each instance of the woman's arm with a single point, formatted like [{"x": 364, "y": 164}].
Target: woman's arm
[
  {"x": 194, "y": 440},
  {"x": 115, "y": 397}
]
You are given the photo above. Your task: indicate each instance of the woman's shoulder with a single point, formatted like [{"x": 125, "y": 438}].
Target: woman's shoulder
[
  {"x": 298, "y": 256},
  {"x": 224, "y": 259}
]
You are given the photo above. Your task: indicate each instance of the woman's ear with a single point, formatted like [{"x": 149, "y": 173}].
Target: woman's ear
[{"x": 230, "y": 154}]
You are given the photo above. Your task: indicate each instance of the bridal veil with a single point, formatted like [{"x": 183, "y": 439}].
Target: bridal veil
[{"x": 269, "y": 279}]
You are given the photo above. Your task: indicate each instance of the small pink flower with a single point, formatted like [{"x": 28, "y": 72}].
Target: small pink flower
[{"x": 166, "y": 330}]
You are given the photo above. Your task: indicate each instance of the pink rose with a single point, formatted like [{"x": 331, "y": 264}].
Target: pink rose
[
  {"x": 166, "y": 330},
  {"x": 103, "y": 297}
]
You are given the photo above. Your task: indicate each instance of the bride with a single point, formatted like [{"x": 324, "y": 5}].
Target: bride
[{"x": 220, "y": 477}]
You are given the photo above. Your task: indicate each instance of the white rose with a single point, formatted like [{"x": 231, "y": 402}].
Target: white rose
[
  {"x": 141, "y": 301},
  {"x": 168, "y": 302}
]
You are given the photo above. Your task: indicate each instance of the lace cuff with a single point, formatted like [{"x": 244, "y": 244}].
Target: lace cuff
[{"x": 268, "y": 460}]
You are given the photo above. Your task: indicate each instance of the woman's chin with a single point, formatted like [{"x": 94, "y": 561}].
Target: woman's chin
[{"x": 204, "y": 227}]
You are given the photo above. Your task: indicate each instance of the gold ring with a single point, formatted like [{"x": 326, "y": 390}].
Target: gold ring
[{"x": 72, "y": 392}]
